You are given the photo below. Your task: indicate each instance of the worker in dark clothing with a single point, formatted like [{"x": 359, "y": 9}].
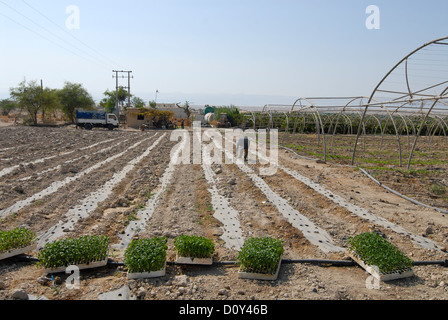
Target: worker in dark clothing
[{"x": 243, "y": 145}]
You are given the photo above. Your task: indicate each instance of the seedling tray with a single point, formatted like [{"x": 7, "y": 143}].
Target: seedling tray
[
  {"x": 147, "y": 275},
  {"x": 260, "y": 276},
  {"x": 194, "y": 261},
  {"x": 399, "y": 274},
  {"x": 17, "y": 252},
  {"x": 97, "y": 264}
]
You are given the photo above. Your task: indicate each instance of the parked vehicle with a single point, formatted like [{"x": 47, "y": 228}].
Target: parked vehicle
[{"x": 95, "y": 119}]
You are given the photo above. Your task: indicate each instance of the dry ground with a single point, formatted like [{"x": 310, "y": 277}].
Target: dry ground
[{"x": 185, "y": 206}]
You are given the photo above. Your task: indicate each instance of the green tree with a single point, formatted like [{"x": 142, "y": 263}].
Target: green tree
[
  {"x": 28, "y": 97},
  {"x": 153, "y": 104},
  {"x": 73, "y": 96},
  {"x": 32, "y": 98},
  {"x": 49, "y": 102},
  {"x": 110, "y": 98},
  {"x": 137, "y": 102},
  {"x": 6, "y": 106}
]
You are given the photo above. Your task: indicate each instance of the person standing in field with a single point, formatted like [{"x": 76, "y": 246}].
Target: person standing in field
[{"x": 243, "y": 145}]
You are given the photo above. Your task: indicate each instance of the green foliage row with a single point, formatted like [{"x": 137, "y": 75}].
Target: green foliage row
[
  {"x": 233, "y": 114},
  {"x": 194, "y": 246},
  {"x": 17, "y": 238},
  {"x": 68, "y": 252},
  {"x": 261, "y": 255},
  {"x": 374, "y": 250},
  {"x": 306, "y": 123},
  {"x": 146, "y": 255}
]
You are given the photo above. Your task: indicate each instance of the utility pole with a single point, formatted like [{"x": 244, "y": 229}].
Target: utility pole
[
  {"x": 117, "y": 107},
  {"x": 41, "y": 98}
]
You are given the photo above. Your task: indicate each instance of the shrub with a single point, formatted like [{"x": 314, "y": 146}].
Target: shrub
[
  {"x": 374, "y": 250},
  {"x": 194, "y": 246},
  {"x": 68, "y": 252},
  {"x": 146, "y": 255},
  {"x": 261, "y": 255},
  {"x": 17, "y": 238}
]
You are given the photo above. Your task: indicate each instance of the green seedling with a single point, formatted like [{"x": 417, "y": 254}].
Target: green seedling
[
  {"x": 194, "y": 246},
  {"x": 261, "y": 255},
  {"x": 146, "y": 255},
  {"x": 68, "y": 252},
  {"x": 374, "y": 250},
  {"x": 17, "y": 238}
]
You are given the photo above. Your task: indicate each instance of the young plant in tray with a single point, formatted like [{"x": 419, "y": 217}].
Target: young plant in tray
[
  {"x": 261, "y": 255},
  {"x": 82, "y": 251},
  {"x": 146, "y": 255},
  {"x": 194, "y": 247},
  {"x": 374, "y": 250},
  {"x": 17, "y": 238}
]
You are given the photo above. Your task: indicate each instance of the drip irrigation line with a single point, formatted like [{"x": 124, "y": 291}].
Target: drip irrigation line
[
  {"x": 399, "y": 194},
  {"x": 377, "y": 182},
  {"x": 336, "y": 263}
]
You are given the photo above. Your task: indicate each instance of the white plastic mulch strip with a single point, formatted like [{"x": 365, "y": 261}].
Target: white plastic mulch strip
[
  {"x": 228, "y": 216},
  {"x": 361, "y": 212},
  {"x": 356, "y": 210},
  {"x": 74, "y": 160},
  {"x": 55, "y": 186},
  {"x": 311, "y": 232},
  {"x": 146, "y": 213},
  {"x": 42, "y": 160},
  {"x": 90, "y": 203}
]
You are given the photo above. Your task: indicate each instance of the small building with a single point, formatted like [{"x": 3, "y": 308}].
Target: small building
[{"x": 157, "y": 117}]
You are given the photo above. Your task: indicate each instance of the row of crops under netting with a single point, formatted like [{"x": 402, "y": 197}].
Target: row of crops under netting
[
  {"x": 410, "y": 101},
  {"x": 337, "y": 128}
]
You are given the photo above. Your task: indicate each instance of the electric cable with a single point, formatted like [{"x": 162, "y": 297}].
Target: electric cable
[
  {"x": 98, "y": 62},
  {"x": 70, "y": 34}
]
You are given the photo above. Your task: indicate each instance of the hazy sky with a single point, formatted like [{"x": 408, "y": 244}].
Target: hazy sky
[{"x": 218, "y": 52}]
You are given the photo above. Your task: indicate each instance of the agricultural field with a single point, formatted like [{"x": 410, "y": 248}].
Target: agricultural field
[
  {"x": 426, "y": 181},
  {"x": 65, "y": 183}
]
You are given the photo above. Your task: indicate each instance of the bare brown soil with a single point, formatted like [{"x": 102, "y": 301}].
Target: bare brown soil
[
  {"x": 185, "y": 207},
  {"x": 426, "y": 181}
]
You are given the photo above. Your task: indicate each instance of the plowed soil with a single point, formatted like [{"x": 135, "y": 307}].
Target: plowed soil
[{"x": 185, "y": 206}]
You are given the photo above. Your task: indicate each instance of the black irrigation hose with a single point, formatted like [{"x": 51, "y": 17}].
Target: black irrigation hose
[
  {"x": 379, "y": 183},
  {"x": 336, "y": 263}
]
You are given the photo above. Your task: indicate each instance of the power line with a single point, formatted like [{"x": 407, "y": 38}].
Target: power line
[
  {"x": 70, "y": 34},
  {"x": 40, "y": 35}
]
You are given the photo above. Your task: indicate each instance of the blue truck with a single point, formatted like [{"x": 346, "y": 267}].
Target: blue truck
[{"x": 95, "y": 119}]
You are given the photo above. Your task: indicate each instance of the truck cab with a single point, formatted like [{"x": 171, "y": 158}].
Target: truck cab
[{"x": 112, "y": 120}]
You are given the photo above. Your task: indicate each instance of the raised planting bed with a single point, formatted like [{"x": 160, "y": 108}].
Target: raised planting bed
[
  {"x": 260, "y": 259},
  {"x": 378, "y": 257},
  {"x": 194, "y": 250},
  {"x": 146, "y": 258},
  {"x": 85, "y": 253},
  {"x": 16, "y": 242}
]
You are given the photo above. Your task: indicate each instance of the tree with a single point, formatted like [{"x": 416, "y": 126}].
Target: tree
[
  {"x": 137, "y": 102},
  {"x": 153, "y": 104},
  {"x": 110, "y": 98},
  {"x": 187, "y": 109},
  {"x": 49, "y": 102},
  {"x": 73, "y": 96},
  {"x": 28, "y": 97},
  {"x": 6, "y": 106}
]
